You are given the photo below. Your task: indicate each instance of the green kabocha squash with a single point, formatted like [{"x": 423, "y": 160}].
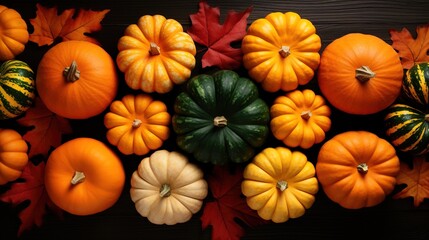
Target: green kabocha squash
[
  {"x": 416, "y": 84},
  {"x": 408, "y": 128},
  {"x": 17, "y": 88},
  {"x": 219, "y": 118}
]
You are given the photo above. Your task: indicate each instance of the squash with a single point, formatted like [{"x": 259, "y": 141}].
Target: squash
[
  {"x": 281, "y": 51},
  {"x": 220, "y": 118},
  {"x": 13, "y": 155},
  {"x": 280, "y": 184},
  {"x": 360, "y": 74},
  {"x": 357, "y": 169},
  {"x": 415, "y": 84},
  {"x": 407, "y": 128},
  {"x": 83, "y": 176},
  {"x": 155, "y": 54},
  {"x": 77, "y": 79},
  {"x": 137, "y": 124},
  {"x": 167, "y": 189},
  {"x": 17, "y": 88},
  {"x": 14, "y": 34},
  {"x": 300, "y": 118}
]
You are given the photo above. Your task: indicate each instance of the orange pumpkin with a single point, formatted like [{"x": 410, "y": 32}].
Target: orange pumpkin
[
  {"x": 83, "y": 176},
  {"x": 137, "y": 124},
  {"x": 13, "y": 155},
  {"x": 357, "y": 169},
  {"x": 13, "y": 35},
  {"x": 77, "y": 79},
  {"x": 360, "y": 74}
]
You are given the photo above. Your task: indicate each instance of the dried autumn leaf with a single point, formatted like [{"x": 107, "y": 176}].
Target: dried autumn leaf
[
  {"x": 47, "y": 130},
  {"x": 207, "y": 31},
  {"x": 48, "y": 25},
  {"x": 416, "y": 179},
  {"x": 411, "y": 50},
  {"x": 228, "y": 206}
]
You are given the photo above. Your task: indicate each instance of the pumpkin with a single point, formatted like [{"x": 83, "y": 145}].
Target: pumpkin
[
  {"x": 137, "y": 124},
  {"x": 360, "y": 74},
  {"x": 415, "y": 84},
  {"x": 281, "y": 51},
  {"x": 155, "y": 54},
  {"x": 83, "y": 176},
  {"x": 357, "y": 169},
  {"x": 76, "y": 79},
  {"x": 407, "y": 128},
  {"x": 13, "y": 155},
  {"x": 220, "y": 118},
  {"x": 17, "y": 88},
  {"x": 300, "y": 118},
  {"x": 167, "y": 189},
  {"x": 279, "y": 184},
  {"x": 13, "y": 35}
]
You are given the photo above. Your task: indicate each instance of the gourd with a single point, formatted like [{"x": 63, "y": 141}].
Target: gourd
[
  {"x": 137, "y": 124},
  {"x": 220, "y": 118},
  {"x": 416, "y": 84},
  {"x": 155, "y": 54},
  {"x": 360, "y": 74},
  {"x": 83, "y": 176},
  {"x": 300, "y": 118},
  {"x": 17, "y": 88},
  {"x": 281, "y": 51},
  {"x": 76, "y": 79},
  {"x": 407, "y": 128},
  {"x": 13, "y": 155},
  {"x": 279, "y": 184},
  {"x": 167, "y": 189},
  {"x": 14, "y": 34},
  {"x": 357, "y": 169}
]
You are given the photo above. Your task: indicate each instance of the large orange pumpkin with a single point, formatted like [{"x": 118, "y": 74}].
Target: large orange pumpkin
[
  {"x": 13, "y": 155},
  {"x": 13, "y": 33}
]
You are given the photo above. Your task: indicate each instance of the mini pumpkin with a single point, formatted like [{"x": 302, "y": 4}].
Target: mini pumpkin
[
  {"x": 167, "y": 189},
  {"x": 415, "y": 84},
  {"x": 280, "y": 184},
  {"x": 137, "y": 124},
  {"x": 300, "y": 118},
  {"x": 13, "y": 155},
  {"x": 357, "y": 169},
  {"x": 13, "y": 35},
  {"x": 155, "y": 54}
]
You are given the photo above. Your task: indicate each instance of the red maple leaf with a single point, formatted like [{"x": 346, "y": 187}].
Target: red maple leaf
[
  {"x": 47, "y": 128},
  {"x": 229, "y": 205},
  {"x": 207, "y": 31},
  {"x": 31, "y": 189},
  {"x": 48, "y": 25}
]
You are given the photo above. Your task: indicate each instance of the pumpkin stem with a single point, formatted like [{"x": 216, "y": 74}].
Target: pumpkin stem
[
  {"x": 282, "y": 185},
  {"x": 137, "y": 123},
  {"x": 306, "y": 114},
  {"x": 364, "y": 73},
  {"x": 362, "y": 168},
  {"x": 78, "y": 177},
  {"x": 220, "y": 121},
  {"x": 72, "y": 73},
  {"x": 165, "y": 190},
  {"x": 284, "y": 51},
  {"x": 154, "y": 49}
]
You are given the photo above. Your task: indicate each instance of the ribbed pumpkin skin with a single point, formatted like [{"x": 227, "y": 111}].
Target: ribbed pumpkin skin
[
  {"x": 226, "y": 94},
  {"x": 13, "y": 35},
  {"x": 17, "y": 88},
  {"x": 416, "y": 84},
  {"x": 13, "y": 155},
  {"x": 407, "y": 128}
]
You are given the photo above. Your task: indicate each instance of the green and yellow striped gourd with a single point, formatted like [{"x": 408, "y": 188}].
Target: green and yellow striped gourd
[{"x": 416, "y": 84}]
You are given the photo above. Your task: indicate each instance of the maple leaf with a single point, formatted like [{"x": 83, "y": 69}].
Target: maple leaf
[
  {"x": 207, "y": 31},
  {"x": 228, "y": 206},
  {"x": 31, "y": 189},
  {"x": 411, "y": 50},
  {"x": 416, "y": 179},
  {"x": 47, "y": 128},
  {"x": 48, "y": 25}
]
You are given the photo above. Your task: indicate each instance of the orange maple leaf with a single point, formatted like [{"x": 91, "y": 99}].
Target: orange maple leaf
[
  {"x": 416, "y": 179},
  {"x": 411, "y": 50},
  {"x": 47, "y": 128},
  {"x": 48, "y": 25}
]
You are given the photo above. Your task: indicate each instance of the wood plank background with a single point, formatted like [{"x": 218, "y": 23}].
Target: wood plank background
[{"x": 393, "y": 219}]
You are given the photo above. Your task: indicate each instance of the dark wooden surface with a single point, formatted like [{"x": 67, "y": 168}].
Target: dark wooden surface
[{"x": 392, "y": 219}]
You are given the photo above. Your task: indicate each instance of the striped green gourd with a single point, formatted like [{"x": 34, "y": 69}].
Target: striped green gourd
[
  {"x": 408, "y": 128},
  {"x": 416, "y": 84},
  {"x": 17, "y": 88}
]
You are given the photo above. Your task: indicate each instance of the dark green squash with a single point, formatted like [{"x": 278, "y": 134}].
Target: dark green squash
[
  {"x": 220, "y": 118},
  {"x": 416, "y": 84}
]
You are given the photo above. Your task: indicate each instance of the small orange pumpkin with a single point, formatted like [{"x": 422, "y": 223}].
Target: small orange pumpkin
[
  {"x": 13, "y": 155},
  {"x": 13, "y": 35}
]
